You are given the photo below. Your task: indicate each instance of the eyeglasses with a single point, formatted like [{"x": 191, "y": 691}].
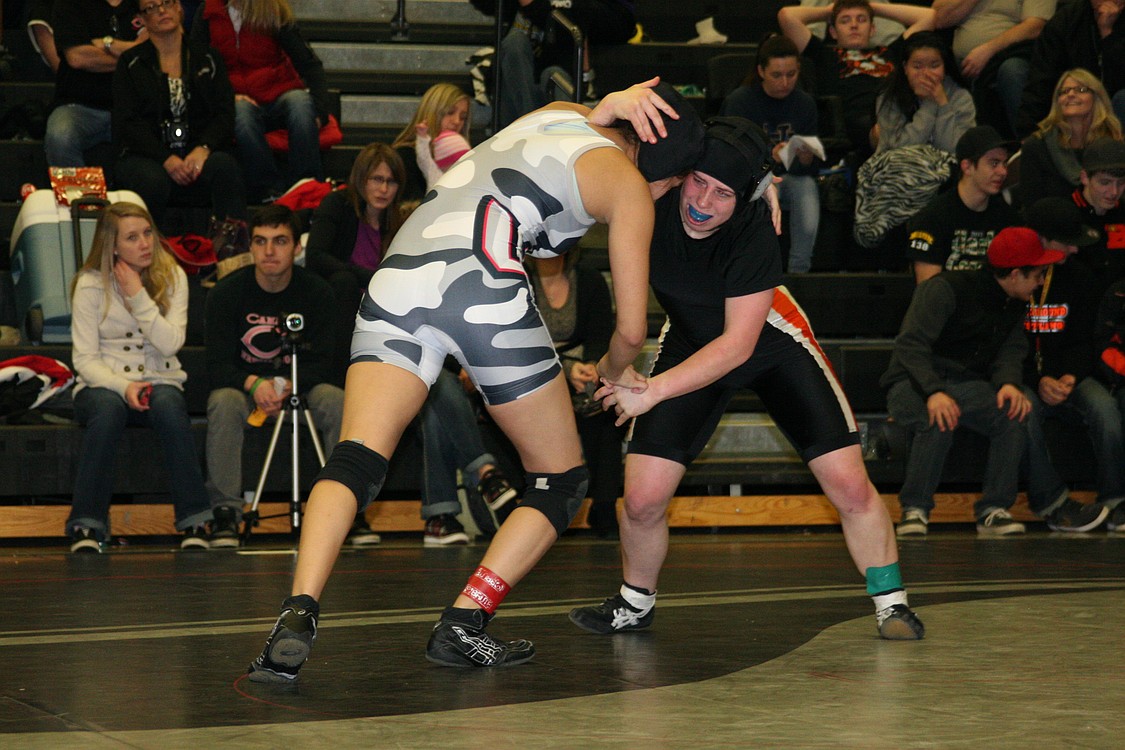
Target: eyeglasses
[
  {"x": 381, "y": 181},
  {"x": 157, "y": 7},
  {"x": 1075, "y": 90}
]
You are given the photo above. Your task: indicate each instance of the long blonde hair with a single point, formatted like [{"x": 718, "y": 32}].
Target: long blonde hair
[
  {"x": 159, "y": 279},
  {"x": 264, "y": 15},
  {"x": 1103, "y": 123},
  {"x": 438, "y": 101}
]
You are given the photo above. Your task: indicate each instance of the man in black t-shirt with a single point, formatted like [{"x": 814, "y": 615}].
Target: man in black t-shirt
[
  {"x": 246, "y": 365},
  {"x": 715, "y": 268},
  {"x": 953, "y": 231},
  {"x": 852, "y": 68},
  {"x": 90, "y": 36}
]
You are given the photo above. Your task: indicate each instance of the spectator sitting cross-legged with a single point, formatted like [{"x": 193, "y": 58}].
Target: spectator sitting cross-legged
[
  {"x": 173, "y": 119},
  {"x": 278, "y": 82}
]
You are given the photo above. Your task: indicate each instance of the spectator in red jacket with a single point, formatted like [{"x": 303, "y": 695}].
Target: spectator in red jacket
[{"x": 278, "y": 83}]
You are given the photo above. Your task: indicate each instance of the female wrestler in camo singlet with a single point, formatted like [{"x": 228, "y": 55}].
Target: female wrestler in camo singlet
[{"x": 452, "y": 283}]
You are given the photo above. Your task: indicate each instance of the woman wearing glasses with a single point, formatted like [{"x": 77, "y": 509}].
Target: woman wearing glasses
[
  {"x": 173, "y": 119},
  {"x": 1081, "y": 113}
]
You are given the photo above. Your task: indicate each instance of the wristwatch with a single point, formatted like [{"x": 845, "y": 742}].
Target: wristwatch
[{"x": 107, "y": 43}]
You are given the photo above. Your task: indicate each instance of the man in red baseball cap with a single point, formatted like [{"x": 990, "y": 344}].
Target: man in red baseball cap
[{"x": 958, "y": 362}]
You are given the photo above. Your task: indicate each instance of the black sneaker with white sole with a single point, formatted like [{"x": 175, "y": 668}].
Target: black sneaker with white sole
[
  {"x": 85, "y": 541},
  {"x": 899, "y": 623},
  {"x": 1076, "y": 517},
  {"x": 196, "y": 539},
  {"x": 614, "y": 615},
  {"x": 289, "y": 644},
  {"x": 224, "y": 529},
  {"x": 459, "y": 640}
]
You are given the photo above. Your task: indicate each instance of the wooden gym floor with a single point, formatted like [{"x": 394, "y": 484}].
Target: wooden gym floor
[{"x": 760, "y": 640}]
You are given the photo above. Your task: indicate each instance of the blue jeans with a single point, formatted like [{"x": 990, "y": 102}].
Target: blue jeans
[
  {"x": 450, "y": 440},
  {"x": 1118, "y": 102},
  {"x": 293, "y": 111},
  {"x": 1089, "y": 404},
  {"x": 799, "y": 195},
  {"x": 977, "y": 400},
  {"x": 105, "y": 416},
  {"x": 73, "y": 128},
  {"x": 519, "y": 87},
  {"x": 1010, "y": 79}
]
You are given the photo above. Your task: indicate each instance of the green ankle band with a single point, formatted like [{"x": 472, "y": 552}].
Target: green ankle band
[{"x": 884, "y": 579}]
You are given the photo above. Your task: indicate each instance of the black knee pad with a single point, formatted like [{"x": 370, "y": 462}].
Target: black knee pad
[
  {"x": 557, "y": 496},
  {"x": 358, "y": 468}
]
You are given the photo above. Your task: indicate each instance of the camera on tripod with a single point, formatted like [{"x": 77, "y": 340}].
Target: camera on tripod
[
  {"x": 175, "y": 134},
  {"x": 290, "y": 331}
]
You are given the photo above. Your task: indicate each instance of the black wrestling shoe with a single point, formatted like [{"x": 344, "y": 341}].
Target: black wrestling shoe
[
  {"x": 614, "y": 615},
  {"x": 459, "y": 640},
  {"x": 289, "y": 644},
  {"x": 899, "y": 623}
]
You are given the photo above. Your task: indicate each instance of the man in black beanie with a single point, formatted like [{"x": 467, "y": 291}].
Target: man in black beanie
[{"x": 715, "y": 268}]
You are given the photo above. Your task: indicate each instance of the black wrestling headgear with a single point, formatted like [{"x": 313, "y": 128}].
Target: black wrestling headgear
[
  {"x": 677, "y": 153},
  {"x": 737, "y": 153}
]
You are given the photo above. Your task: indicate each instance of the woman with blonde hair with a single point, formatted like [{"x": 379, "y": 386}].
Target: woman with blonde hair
[
  {"x": 1081, "y": 113},
  {"x": 444, "y": 111},
  {"x": 129, "y": 319},
  {"x": 278, "y": 82}
]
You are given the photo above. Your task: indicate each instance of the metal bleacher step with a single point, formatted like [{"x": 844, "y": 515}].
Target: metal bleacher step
[
  {"x": 459, "y": 12},
  {"x": 448, "y": 59}
]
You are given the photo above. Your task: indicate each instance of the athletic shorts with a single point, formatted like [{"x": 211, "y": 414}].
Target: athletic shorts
[
  {"x": 789, "y": 372},
  {"x": 471, "y": 300}
]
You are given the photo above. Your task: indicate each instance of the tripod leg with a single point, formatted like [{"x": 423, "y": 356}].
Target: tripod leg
[
  {"x": 315, "y": 436},
  {"x": 253, "y": 512}
]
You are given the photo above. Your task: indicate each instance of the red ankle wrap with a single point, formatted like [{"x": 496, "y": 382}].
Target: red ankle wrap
[{"x": 486, "y": 589}]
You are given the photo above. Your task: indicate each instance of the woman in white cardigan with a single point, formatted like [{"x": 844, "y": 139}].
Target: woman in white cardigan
[{"x": 129, "y": 318}]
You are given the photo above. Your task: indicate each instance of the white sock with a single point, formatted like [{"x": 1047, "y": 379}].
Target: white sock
[
  {"x": 883, "y": 601},
  {"x": 637, "y": 599}
]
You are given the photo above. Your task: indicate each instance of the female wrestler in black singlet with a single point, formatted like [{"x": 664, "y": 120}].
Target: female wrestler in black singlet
[{"x": 716, "y": 270}]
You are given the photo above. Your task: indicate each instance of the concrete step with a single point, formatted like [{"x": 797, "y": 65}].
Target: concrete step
[
  {"x": 417, "y": 11},
  {"x": 748, "y": 434},
  {"x": 394, "y": 57},
  {"x": 393, "y": 110}
]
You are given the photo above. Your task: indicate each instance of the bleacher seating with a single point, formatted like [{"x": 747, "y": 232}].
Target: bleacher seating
[{"x": 379, "y": 83}]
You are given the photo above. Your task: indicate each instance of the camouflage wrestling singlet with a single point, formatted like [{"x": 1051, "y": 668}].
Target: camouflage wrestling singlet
[{"x": 453, "y": 282}]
